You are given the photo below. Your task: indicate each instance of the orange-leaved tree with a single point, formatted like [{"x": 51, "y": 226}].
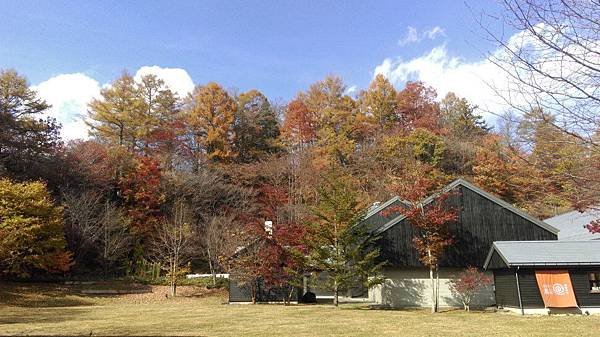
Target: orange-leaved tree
[{"x": 143, "y": 197}]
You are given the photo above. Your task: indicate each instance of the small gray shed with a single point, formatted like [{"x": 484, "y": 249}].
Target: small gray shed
[{"x": 515, "y": 263}]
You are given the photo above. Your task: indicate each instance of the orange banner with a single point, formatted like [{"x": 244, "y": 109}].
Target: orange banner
[{"x": 556, "y": 288}]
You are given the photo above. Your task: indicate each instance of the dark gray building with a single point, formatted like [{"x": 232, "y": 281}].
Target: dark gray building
[
  {"x": 514, "y": 265},
  {"x": 482, "y": 219}
]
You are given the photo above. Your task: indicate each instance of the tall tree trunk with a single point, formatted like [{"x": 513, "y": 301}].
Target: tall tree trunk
[
  {"x": 173, "y": 288},
  {"x": 336, "y": 293},
  {"x": 431, "y": 279},
  {"x": 254, "y": 291},
  {"x": 437, "y": 289},
  {"x": 289, "y": 297},
  {"x": 213, "y": 272},
  {"x": 432, "y": 289},
  {"x": 173, "y": 279},
  {"x": 105, "y": 250}
]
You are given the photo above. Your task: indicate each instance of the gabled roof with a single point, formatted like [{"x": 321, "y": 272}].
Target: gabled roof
[
  {"x": 375, "y": 216},
  {"x": 546, "y": 253},
  {"x": 572, "y": 224},
  {"x": 468, "y": 185},
  {"x": 381, "y": 207}
]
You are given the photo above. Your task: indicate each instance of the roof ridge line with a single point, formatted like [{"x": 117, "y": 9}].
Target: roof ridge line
[{"x": 462, "y": 182}]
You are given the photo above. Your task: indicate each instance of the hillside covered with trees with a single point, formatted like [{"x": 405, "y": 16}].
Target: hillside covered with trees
[{"x": 181, "y": 183}]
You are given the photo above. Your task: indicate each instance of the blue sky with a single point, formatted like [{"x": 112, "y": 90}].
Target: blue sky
[{"x": 278, "y": 47}]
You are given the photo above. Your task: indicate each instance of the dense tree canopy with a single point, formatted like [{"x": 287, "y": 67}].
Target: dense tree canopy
[
  {"x": 31, "y": 234},
  {"x": 28, "y": 143},
  {"x": 235, "y": 160}
]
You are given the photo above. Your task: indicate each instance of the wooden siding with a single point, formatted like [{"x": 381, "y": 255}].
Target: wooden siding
[
  {"x": 384, "y": 216},
  {"x": 530, "y": 293},
  {"x": 496, "y": 262},
  {"x": 581, "y": 285},
  {"x": 506, "y": 288},
  {"x": 481, "y": 222}
]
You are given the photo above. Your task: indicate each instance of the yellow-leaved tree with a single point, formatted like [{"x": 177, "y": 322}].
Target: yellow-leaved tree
[
  {"x": 31, "y": 230},
  {"x": 116, "y": 116},
  {"x": 210, "y": 114}
]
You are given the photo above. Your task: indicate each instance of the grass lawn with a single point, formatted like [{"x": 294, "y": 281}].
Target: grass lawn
[{"x": 27, "y": 309}]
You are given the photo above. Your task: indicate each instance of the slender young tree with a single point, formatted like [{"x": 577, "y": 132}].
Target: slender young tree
[
  {"x": 114, "y": 239},
  {"x": 173, "y": 245},
  {"x": 340, "y": 248},
  {"x": 430, "y": 216},
  {"x": 467, "y": 284},
  {"x": 431, "y": 222},
  {"x": 214, "y": 240}
]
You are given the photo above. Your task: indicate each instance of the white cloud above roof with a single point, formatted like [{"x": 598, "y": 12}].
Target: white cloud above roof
[
  {"x": 446, "y": 74},
  {"x": 481, "y": 81}
]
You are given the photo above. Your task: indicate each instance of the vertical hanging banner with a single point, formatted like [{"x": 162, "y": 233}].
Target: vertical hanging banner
[{"x": 556, "y": 288}]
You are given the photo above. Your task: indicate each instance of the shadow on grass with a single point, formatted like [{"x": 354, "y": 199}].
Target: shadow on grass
[
  {"x": 39, "y": 296},
  {"x": 445, "y": 310},
  {"x": 42, "y": 316}
]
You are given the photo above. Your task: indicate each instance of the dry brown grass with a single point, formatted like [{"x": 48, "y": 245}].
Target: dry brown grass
[{"x": 52, "y": 310}]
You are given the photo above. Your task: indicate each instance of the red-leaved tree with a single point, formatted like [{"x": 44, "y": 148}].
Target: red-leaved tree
[
  {"x": 143, "y": 197},
  {"x": 594, "y": 227},
  {"x": 467, "y": 284},
  {"x": 272, "y": 259},
  {"x": 431, "y": 219},
  {"x": 432, "y": 236}
]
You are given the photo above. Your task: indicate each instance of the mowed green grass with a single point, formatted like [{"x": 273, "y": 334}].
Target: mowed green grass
[{"x": 45, "y": 310}]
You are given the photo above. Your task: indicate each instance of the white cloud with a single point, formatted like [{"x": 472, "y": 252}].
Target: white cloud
[
  {"x": 176, "y": 79},
  {"x": 435, "y": 32},
  {"x": 69, "y": 95},
  {"x": 490, "y": 87},
  {"x": 410, "y": 37},
  {"x": 472, "y": 80},
  {"x": 351, "y": 90},
  {"x": 413, "y": 36}
]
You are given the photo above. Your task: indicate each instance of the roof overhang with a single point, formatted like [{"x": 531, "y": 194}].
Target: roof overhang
[{"x": 532, "y": 264}]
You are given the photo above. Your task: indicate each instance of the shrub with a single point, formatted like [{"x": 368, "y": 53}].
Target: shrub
[{"x": 467, "y": 284}]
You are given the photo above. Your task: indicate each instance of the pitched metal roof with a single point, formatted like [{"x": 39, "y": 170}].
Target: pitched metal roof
[
  {"x": 572, "y": 225},
  {"x": 466, "y": 184},
  {"x": 381, "y": 207},
  {"x": 546, "y": 253}
]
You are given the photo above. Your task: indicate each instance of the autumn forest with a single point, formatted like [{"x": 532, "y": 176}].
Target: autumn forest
[{"x": 224, "y": 162}]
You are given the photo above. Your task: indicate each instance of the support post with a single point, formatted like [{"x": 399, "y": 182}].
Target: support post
[{"x": 519, "y": 291}]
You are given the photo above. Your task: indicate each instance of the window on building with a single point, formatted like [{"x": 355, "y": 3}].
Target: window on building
[{"x": 594, "y": 279}]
